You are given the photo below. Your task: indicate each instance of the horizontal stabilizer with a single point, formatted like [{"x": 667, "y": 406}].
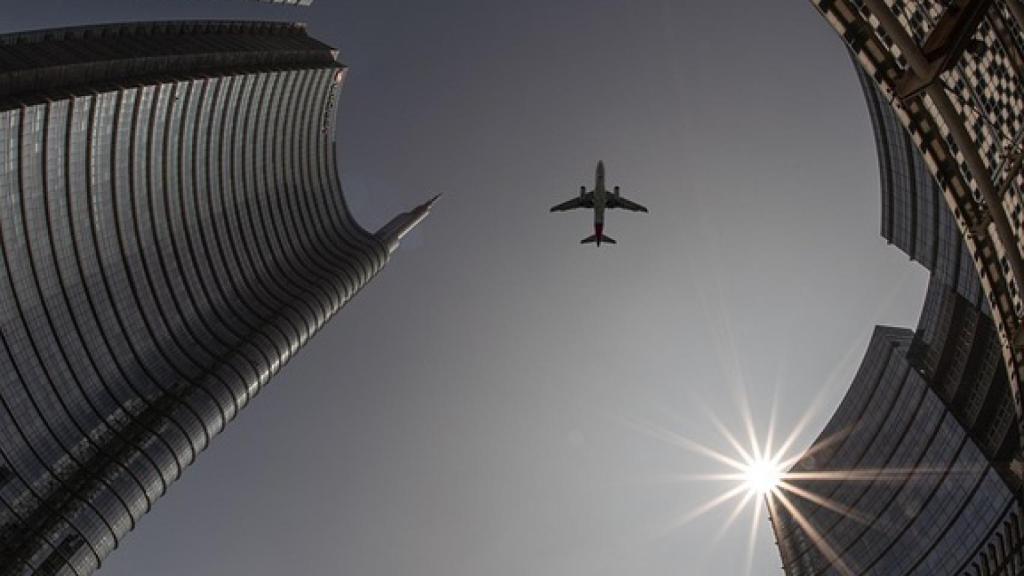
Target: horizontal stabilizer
[{"x": 603, "y": 240}]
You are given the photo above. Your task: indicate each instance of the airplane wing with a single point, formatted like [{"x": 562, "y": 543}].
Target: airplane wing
[
  {"x": 586, "y": 201},
  {"x": 625, "y": 204}
]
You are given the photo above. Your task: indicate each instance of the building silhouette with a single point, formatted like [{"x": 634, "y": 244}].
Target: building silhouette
[{"x": 172, "y": 230}]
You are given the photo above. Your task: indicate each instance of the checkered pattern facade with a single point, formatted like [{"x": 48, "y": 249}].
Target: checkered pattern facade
[{"x": 968, "y": 127}]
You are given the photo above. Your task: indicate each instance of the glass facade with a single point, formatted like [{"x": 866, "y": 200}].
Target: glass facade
[
  {"x": 895, "y": 485},
  {"x": 169, "y": 236},
  {"x": 957, "y": 351},
  {"x": 951, "y": 74},
  {"x": 956, "y": 346},
  {"x": 915, "y": 216},
  {"x": 915, "y": 473}
]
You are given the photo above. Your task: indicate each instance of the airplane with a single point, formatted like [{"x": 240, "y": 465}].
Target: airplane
[{"x": 599, "y": 199}]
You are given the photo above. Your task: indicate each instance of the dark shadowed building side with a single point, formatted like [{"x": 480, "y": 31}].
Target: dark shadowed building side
[{"x": 956, "y": 350}]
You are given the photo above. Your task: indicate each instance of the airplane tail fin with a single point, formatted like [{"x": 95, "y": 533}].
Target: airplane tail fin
[{"x": 602, "y": 240}]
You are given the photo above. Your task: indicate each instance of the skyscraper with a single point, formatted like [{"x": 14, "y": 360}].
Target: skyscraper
[
  {"x": 895, "y": 485},
  {"x": 172, "y": 230},
  {"x": 954, "y": 73},
  {"x": 956, "y": 346},
  {"x": 916, "y": 472},
  {"x": 915, "y": 217}
]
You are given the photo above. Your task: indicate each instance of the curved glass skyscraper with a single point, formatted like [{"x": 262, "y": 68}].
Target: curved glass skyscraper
[
  {"x": 953, "y": 73},
  {"x": 172, "y": 230},
  {"x": 918, "y": 471},
  {"x": 895, "y": 485}
]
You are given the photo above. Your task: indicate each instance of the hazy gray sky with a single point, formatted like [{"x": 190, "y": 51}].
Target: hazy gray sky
[{"x": 475, "y": 410}]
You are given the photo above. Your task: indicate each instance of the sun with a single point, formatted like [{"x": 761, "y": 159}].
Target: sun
[
  {"x": 762, "y": 475},
  {"x": 756, "y": 473}
]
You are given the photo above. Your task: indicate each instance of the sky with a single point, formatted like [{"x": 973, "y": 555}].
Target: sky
[{"x": 499, "y": 399}]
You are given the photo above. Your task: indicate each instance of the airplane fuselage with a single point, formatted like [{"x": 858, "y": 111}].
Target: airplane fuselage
[{"x": 600, "y": 200}]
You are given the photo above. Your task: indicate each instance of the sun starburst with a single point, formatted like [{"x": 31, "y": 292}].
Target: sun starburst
[
  {"x": 762, "y": 475},
  {"x": 758, "y": 476}
]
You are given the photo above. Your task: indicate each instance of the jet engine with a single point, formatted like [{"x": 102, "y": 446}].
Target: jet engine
[
  {"x": 616, "y": 191},
  {"x": 583, "y": 192}
]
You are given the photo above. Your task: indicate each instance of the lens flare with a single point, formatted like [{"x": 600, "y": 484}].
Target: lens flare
[
  {"x": 757, "y": 474},
  {"x": 762, "y": 475}
]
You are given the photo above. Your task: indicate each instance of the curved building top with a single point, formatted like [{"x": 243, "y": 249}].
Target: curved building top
[{"x": 48, "y": 64}]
